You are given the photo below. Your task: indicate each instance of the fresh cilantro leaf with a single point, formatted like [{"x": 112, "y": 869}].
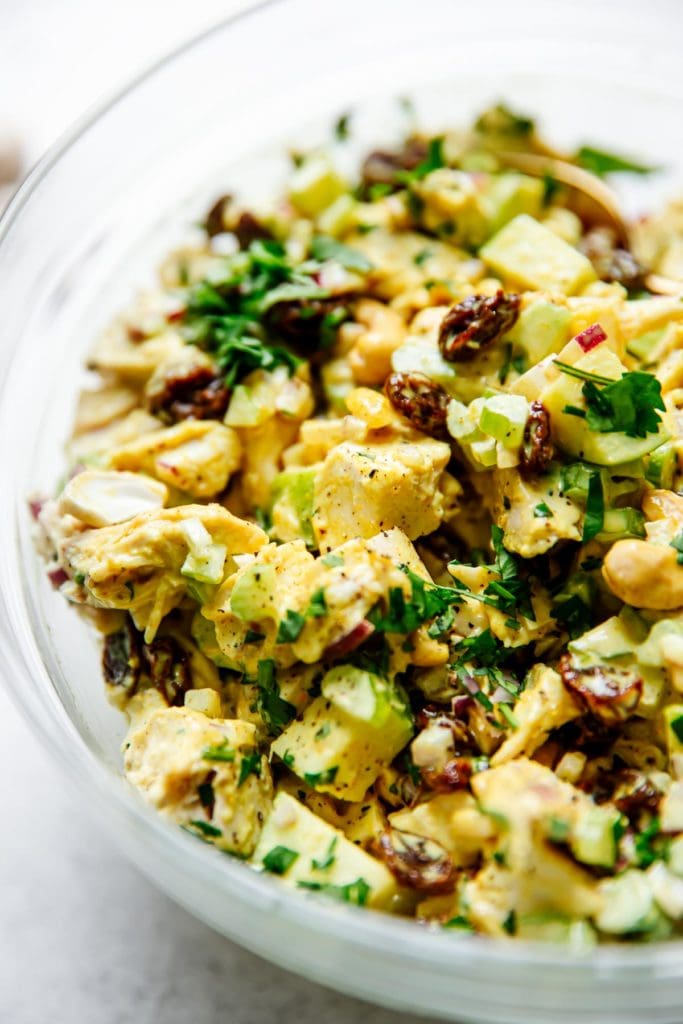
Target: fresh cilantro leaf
[
  {"x": 279, "y": 859},
  {"x": 206, "y": 829},
  {"x": 574, "y": 614},
  {"x": 500, "y": 120},
  {"x": 541, "y": 511},
  {"x": 317, "y": 606},
  {"x": 676, "y": 726},
  {"x": 650, "y": 845},
  {"x": 595, "y": 508},
  {"x": 251, "y": 765},
  {"x": 458, "y": 923},
  {"x": 274, "y": 709},
  {"x": 206, "y": 796},
  {"x": 482, "y": 647},
  {"x": 324, "y": 778},
  {"x": 290, "y": 627},
  {"x": 432, "y": 162},
  {"x": 404, "y": 615},
  {"x": 341, "y": 127},
  {"x": 219, "y": 752},
  {"x": 252, "y": 636},
  {"x": 677, "y": 543},
  {"x": 512, "y": 592},
  {"x": 627, "y": 405},
  {"x": 328, "y": 860},
  {"x": 323, "y": 247},
  {"x": 353, "y": 892},
  {"x": 600, "y": 162}
]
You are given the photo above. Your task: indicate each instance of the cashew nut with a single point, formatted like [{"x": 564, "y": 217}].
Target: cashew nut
[{"x": 370, "y": 357}]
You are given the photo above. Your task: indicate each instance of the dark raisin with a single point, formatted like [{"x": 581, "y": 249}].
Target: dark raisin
[
  {"x": 611, "y": 261},
  {"x": 248, "y": 229},
  {"x": 381, "y": 166},
  {"x": 417, "y": 862},
  {"x": 214, "y": 223},
  {"x": 198, "y": 394},
  {"x": 538, "y": 450},
  {"x": 611, "y": 694},
  {"x": 168, "y": 667},
  {"x": 423, "y": 402},
  {"x": 121, "y": 658},
  {"x": 475, "y": 323}
]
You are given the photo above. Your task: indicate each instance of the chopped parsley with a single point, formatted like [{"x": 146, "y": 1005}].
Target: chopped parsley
[
  {"x": 628, "y": 405},
  {"x": 219, "y": 752},
  {"x": 512, "y": 362},
  {"x": 317, "y": 606},
  {"x": 677, "y": 543},
  {"x": 279, "y": 859},
  {"x": 353, "y": 892},
  {"x": 458, "y": 923},
  {"x": 541, "y": 511},
  {"x": 328, "y": 859},
  {"x": 650, "y": 845},
  {"x": 252, "y": 636},
  {"x": 599, "y": 162},
  {"x": 676, "y": 726},
  {"x": 323, "y": 247},
  {"x": 290, "y": 627},
  {"x": 432, "y": 162},
  {"x": 595, "y": 508},
  {"x": 323, "y": 778},
  {"x": 206, "y": 829},
  {"x": 206, "y": 796},
  {"x": 574, "y": 614},
  {"x": 512, "y": 592},
  {"x": 341, "y": 127},
  {"x": 274, "y": 709},
  {"x": 404, "y": 615},
  {"x": 251, "y": 765}
]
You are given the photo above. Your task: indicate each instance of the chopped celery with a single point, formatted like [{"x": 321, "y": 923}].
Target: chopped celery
[{"x": 504, "y": 418}]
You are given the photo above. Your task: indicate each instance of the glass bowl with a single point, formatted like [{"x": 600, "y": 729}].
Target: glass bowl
[{"x": 88, "y": 227}]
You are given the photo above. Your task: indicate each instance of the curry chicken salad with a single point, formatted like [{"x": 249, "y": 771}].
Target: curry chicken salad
[{"x": 376, "y": 503}]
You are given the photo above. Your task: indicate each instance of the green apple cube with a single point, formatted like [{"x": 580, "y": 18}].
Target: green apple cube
[
  {"x": 529, "y": 254},
  {"x": 252, "y": 595},
  {"x": 542, "y": 328},
  {"x": 421, "y": 357},
  {"x": 315, "y": 185}
]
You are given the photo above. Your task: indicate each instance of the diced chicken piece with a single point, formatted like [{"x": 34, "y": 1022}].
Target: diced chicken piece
[
  {"x": 361, "y": 488},
  {"x": 517, "y": 502},
  {"x": 451, "y": 819},
  {"x": 545, "y": 704},
  {"x": 195, "y": 456},
  {"x": 102, "y": 498},
  {"x": 137, "y": 564},
  {"x": 132, "y": 362},
  {"x": 97, "y": 408},
  {"x": 204, "y": 774}
]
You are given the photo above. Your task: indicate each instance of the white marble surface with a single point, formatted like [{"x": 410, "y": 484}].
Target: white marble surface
[{"x": 84, "y": 939}]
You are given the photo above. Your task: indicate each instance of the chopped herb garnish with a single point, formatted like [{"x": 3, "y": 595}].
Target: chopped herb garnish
[
  {"x": 628, "y": 405},
  {"x": 328, "y": 859},
  {"x": 323, "y": 731},
  {"x": 574, "y": 614},
  {"x": 512, "y": 362},
  {"x": 677, "y": 543},
  {"x": 252, "y": 636},
  {"x": 650, "y": 845},
  {"x": 290, "y": 627},
  {"x": 324, "y": 247},
  {"x": 219, "y": 752},
  {"x": 432, "y": 162},
  {"x": 251, "y": 765},
  {"x": 541, "y": 511},
  {"x": 422, "y": 256},
  {"x": 324, "y": 778},
  {"x": 458, "y": 923},
  {"x": 595, "y": 508},
  {"x": 676, "y": 725},
  {"x": 510, "y": 923},
  {"x": 206, "y": 829},
  {"x": 404, "y": 615},
  {"x": 279, "y": 859},
  {"x": 512, "y": 592},
  {"x": 354, "y": 892},
  {"x": 275, "y": 711},
  {"x": 317, "y": 606},
  {"x": 341, "y": 127},
  {"x": 600, "y": 162}
]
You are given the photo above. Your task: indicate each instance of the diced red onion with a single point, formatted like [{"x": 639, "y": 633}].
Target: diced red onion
[
  {"x": 592, "y": 336},
  {"x": 460, "y": 705},
  {"x": 352, "y": 640},
  {"x": 35, "y": 506},
  {"x": 57, "y": 577}
]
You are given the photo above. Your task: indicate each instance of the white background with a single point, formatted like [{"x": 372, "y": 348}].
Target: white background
[{"x": 84, "y": 939}]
